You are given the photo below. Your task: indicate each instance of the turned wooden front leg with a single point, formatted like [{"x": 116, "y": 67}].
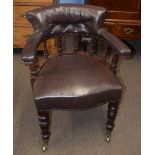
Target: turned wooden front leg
[
  {"x": 111, "y": 115},
  {"x": 43, "y": 117}
]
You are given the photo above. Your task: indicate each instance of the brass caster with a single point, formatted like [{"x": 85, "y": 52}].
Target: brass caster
[
  {"x": 44, "y": 148},
  {"x": 108, "y": 138}
]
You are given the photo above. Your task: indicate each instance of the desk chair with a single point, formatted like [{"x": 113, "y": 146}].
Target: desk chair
[{"x": 73, "y": 80}]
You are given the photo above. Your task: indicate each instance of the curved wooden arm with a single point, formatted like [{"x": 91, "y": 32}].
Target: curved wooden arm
[
  {"x": 115, "y": 43},
  {"x": 29, "y": 50}
]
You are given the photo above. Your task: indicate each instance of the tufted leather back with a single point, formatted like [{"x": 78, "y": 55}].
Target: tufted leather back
[{"x": 57, "y": 19}]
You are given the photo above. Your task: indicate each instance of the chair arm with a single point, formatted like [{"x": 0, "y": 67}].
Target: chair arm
[
  {"x": 29, "y": 50},
  {"x": 116, "y": 43}
]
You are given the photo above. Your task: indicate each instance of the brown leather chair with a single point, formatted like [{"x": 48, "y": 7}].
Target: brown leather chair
[{"x": 73, "y": 80}]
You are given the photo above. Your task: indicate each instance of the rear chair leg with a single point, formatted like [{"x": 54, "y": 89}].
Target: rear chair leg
[
  {"x": 111, "y": 115},
  {"x": 43, "y": 117}
]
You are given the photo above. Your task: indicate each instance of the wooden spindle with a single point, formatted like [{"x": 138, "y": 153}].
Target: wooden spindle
[
  {"x": 95, "y": 45},
  {"x": 64, "y": 42},
  {"x": 45, "y": 50},
  {"x": 76, "y": 42},
  {"x": 114, "y": 62},
  {"x": 105, "y": 52},
  {"x": 92, "y": 42},
  {"x": 34, "y": 71},
  {"x": 59, "y": 44},
  {"x": 83, "y": 43}
]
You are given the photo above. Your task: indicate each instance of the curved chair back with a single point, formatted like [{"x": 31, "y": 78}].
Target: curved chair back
[
  {"x": 82, "y": 20},
  {"x": 58, "y": 19}
]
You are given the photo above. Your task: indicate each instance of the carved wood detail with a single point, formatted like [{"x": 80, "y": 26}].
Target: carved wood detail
[
  {"x": 43, "y": 117},
  {"x": 111, "y": 115},
  {"x": 34, "y": 71}
]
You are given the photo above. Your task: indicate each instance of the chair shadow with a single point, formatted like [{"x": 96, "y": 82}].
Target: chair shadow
[{"x": 82, "y": 125}]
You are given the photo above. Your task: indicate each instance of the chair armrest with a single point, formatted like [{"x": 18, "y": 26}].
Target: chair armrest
[
  {"x": 29, "y": 50},
  {"x": 116, "y": 43}
]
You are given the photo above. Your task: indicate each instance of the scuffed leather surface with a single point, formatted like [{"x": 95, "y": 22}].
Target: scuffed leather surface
[
  {"x": 115, "y": 43},
  {"x": 29, "y": 50},
  {"x": 75, "y": 82},
  {"x": 61, "y": 18}
]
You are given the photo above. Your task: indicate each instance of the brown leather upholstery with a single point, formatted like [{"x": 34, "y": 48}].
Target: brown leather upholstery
[
  {"x": 29, "y": 51},
  {"x": 115, "y": 43},
  {"x": 75, "y": 82},
  {"x": 61, "y": 18},
  {"x": 57, "y": 19}
]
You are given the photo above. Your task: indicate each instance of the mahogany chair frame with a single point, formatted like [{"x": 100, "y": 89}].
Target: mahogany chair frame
[{"x": 112, "y": 43}]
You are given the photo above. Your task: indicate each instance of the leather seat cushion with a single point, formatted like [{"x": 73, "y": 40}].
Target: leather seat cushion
[{"x": 75, "y": 82}]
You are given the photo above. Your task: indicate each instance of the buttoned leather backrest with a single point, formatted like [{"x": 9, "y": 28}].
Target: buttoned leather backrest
[{"x": 61, "y": 18}]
